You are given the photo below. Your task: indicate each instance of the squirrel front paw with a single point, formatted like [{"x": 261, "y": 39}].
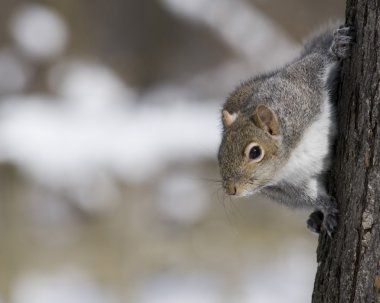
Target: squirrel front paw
[
  {"x": 318, "y": 221},
  {"x": 314, "y": 223},
  {"x": 342, "y": 42}
]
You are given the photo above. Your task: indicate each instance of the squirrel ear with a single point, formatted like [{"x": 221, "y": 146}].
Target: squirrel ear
[
  {"x": 228, "y": 118},
  {"x": 266, "y": 119}
]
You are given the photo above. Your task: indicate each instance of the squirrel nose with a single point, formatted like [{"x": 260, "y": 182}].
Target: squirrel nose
[{"x": 231, "y": 189}]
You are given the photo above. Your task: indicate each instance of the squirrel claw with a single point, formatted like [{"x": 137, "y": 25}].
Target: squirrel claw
[
  {"x": 330, "y": 223},
  {"x": 342, "y": 42}
]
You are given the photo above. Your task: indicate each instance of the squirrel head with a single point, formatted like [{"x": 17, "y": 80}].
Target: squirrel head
[{"x": 249, "y": 153}]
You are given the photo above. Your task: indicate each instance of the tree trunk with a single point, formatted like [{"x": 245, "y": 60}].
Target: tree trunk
[{"x": 349, "y": 263}]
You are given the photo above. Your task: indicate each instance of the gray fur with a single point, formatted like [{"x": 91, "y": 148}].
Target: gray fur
[{"x": 297, "y": 94}]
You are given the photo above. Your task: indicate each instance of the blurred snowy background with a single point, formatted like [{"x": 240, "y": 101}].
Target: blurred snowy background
[{"x": 109, "y": 127}]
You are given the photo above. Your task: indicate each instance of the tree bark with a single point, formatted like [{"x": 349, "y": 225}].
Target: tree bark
[{"x": 349, "y": 262}]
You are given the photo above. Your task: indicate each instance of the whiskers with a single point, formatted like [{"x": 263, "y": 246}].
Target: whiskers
[
  {"x": 220, "y": 181},
  {"x": 234, "y": 216},
  {"x": 231, "y": 210}
]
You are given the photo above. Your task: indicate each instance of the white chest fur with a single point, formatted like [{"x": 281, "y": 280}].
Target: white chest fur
[{"x": 308, "y": 159}]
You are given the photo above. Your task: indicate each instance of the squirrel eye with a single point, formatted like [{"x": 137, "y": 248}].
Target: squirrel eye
[{"x": 254, "y": 152}]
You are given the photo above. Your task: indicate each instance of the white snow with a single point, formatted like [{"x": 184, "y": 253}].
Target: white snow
[
  {"x": 55, "y": 142},
  {"x": 40, "y": 32},
  {"x": 72, "y": 140},
  {"x": 184, "y": 288},
  {"x": 66, "y": 285},
  {"x": 89, "y": 86}
]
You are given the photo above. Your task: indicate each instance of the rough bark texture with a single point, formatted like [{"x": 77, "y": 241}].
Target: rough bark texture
[{"x": 349, "y": 263}]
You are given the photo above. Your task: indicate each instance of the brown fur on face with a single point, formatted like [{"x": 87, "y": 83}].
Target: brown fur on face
[{"x": 241, "y": 175}]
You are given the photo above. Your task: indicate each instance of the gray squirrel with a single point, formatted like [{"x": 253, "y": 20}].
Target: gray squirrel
[{"x": 279, "y": 127}]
